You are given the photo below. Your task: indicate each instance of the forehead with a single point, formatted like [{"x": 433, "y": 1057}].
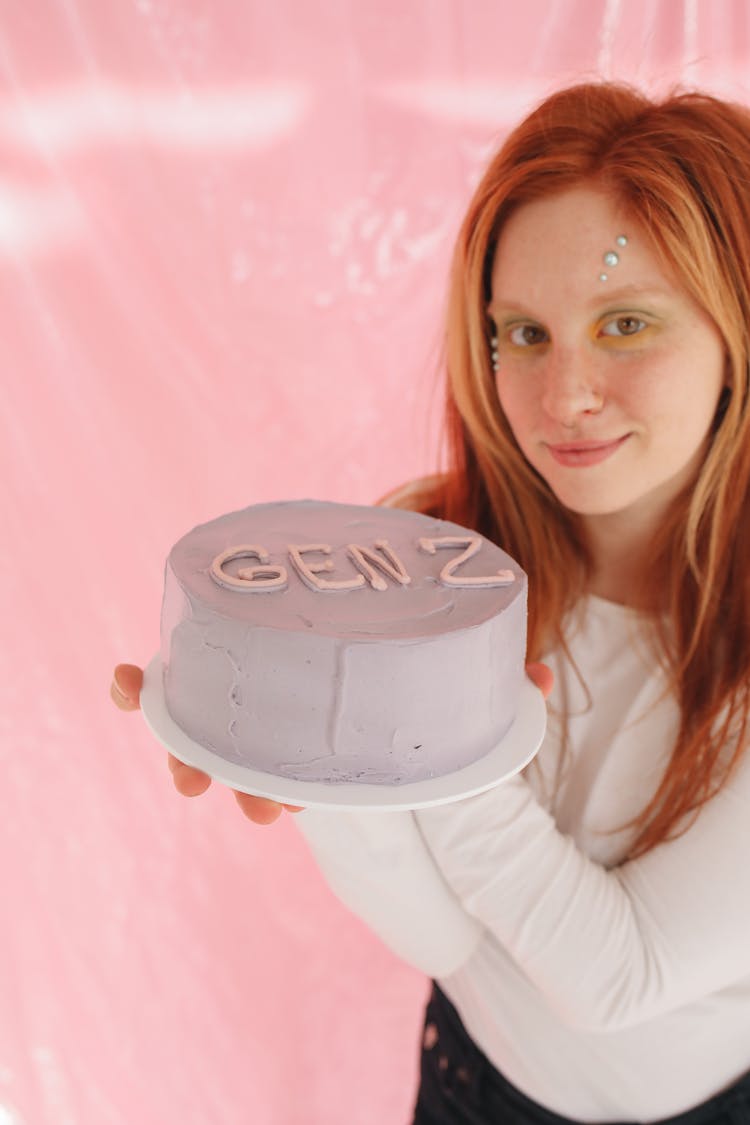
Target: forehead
[{"x": 560, "y": 243}]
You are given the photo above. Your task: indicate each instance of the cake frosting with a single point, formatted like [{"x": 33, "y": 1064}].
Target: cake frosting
[{"x": 339, "y": 643}]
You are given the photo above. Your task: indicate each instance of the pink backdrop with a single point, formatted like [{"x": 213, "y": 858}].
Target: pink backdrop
[{"x": 224, "y": 236}]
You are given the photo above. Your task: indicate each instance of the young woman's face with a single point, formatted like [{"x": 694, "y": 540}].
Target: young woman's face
[{"x": 609, "y": 385}]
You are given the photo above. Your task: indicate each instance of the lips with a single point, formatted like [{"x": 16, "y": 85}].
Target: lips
[{"x": 580, "y": 454}]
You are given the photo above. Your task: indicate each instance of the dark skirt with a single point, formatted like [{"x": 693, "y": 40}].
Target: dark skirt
[{"x": 460, "y": 1086}]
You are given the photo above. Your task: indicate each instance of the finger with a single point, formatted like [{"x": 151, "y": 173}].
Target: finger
[
  {"x": 258, "y": 809},
  {"x": 542, "y": 676},
  {"x": 126, "y": 687},
  {"x": 188, "y": 781}
]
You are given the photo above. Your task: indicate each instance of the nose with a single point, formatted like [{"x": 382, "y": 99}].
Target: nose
[{"x": 572, "y": 387}]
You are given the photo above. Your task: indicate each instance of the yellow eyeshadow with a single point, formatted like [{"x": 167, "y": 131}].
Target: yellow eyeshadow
[
  {"x": 620, "y": 342},
  {"x": 647, "y": 321},
  {"x": 505, "y": 328}
]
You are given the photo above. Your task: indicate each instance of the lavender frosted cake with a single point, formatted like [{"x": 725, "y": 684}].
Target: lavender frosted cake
[{"x": 329, "y": 642}]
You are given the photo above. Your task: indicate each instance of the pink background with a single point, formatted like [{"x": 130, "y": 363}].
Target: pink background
[{"x": 224, "y": 236}]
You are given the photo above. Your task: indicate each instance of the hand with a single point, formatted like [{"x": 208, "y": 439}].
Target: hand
[
  {"x": 125, "y": 692},
  {"x": 542, "y": 676},
  {"x": 190, "y": 782}
]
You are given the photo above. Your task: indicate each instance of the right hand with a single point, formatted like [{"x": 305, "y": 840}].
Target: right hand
[{"x": 190, "y": 782}]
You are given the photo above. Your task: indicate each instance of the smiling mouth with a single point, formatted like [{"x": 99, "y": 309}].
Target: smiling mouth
[{"x": 579, "y": 454}]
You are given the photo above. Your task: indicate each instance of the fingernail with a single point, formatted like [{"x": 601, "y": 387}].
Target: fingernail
[{"x": 116, "y": 688}]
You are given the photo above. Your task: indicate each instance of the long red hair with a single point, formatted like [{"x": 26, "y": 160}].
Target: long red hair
[{"x": 681, "y": 166}]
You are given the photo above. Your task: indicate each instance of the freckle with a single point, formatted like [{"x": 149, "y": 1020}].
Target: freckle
[{"x": 430, "y": 1036}]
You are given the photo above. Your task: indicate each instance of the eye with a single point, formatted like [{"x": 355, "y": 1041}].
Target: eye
[
  {"x": 624, "y": 326},
  {"x": 526, "y": 335}
]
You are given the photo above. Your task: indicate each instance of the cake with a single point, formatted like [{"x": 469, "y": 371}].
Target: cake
[{"x": 336, "y": 643}]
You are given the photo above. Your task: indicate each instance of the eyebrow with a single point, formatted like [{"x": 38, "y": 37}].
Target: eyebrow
[
  {"x": 630, "y": 291},
  {"x": 607, "y": 296}
]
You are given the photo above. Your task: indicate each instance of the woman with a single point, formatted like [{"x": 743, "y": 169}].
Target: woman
[{"x": 589, "y": 921}]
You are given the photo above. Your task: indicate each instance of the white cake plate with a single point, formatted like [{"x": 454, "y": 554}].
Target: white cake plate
[{"x": 510, "y": 756}]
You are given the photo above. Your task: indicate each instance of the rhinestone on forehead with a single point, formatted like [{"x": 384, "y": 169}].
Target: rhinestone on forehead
[{"x": 611, "y": 257}]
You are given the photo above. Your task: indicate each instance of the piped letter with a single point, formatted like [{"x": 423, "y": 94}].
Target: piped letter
[{"x": 472, "y": 544}]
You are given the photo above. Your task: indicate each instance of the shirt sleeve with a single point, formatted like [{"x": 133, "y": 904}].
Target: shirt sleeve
[
  {"x": 379, "y": 866},
  {"x": 608, "y": 948}
]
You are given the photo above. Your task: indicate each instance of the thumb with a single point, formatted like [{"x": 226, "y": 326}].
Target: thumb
[{"x": 126, "y": 687}]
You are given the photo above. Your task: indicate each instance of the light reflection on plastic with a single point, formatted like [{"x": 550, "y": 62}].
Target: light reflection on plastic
[{"x": 76, "y": 116}]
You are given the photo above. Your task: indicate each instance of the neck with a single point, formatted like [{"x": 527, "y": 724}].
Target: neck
[{"x": 619, "y": 548}]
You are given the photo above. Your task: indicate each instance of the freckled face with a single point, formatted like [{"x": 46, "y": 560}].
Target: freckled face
[{"x": 610, "y": 387}]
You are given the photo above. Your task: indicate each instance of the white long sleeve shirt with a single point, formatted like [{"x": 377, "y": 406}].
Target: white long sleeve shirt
[{"x": 603, "y": 989}]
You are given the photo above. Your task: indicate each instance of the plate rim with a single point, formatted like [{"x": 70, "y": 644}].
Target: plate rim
[{"x": 513, "y": 753}]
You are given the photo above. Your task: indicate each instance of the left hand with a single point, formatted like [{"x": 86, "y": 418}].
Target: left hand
[
  {"x": 191, "y": 782},
  {"x": 542, "y": 676}
]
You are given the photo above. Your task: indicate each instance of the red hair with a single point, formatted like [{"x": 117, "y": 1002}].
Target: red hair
[{"x": 681, "y": 167}]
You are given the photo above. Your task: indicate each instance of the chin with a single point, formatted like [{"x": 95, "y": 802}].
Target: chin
[{"x": 593, "y": 504}]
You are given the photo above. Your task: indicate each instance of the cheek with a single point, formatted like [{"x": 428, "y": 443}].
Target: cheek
[
  {"x": 516, "y": 405},
  {"x": 521, "y": 410},
  {"x": 679, "y": 400}
]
